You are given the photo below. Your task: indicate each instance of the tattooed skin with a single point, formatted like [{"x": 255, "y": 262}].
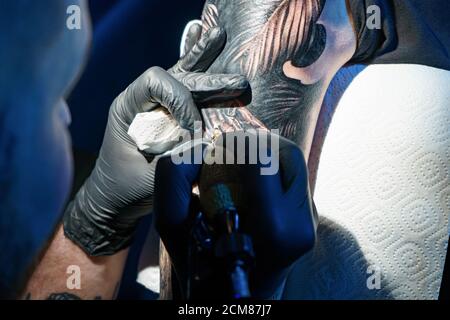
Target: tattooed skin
[
  {"x": 62, "y": 296},
  {"x": 289, "y": 50},
  {"x": 285, "y": 49},
  {"x": 72, "y": 296}
]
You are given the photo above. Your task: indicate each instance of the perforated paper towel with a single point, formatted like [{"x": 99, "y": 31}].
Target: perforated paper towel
[
  {"x": 383, "y": 187},
  {"x": 156, "y": 132}
]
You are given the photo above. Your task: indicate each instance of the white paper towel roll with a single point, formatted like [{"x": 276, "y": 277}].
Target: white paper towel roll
[{"x": 383, "y": 187}]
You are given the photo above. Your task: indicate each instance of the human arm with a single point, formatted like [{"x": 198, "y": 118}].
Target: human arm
[
  {"x": 288, "y": 74},
  {"x": 99, "y": 224},
  {"x": 66, "y": 272},
  {"x": 290, "y": 51}
]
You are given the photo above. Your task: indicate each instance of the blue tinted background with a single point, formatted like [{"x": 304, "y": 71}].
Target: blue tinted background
[{"x": 129, "y": 37}]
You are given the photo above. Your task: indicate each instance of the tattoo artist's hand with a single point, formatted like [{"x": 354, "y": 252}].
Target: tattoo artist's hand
[
  {"x": 104, "y": 215},
  {"x": 279, "y": 217}
]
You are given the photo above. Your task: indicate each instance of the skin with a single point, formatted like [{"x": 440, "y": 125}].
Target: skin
[
  {"x": 100, "y": 276},
  {"x": 34, "y": 100},
  {"x": 290, "y": 74},
  {"x": 288, "y": 86},
  {"x": 34, "y": 118},
  {"x": 288, "y": 82},
  {"x": 290, "y": 51}
]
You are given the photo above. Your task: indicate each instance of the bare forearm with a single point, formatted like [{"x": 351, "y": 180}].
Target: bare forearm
[{"x": 66, "y": 272}]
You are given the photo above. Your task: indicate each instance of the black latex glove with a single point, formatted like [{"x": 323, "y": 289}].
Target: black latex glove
[
  {"x": 279, "y": 216},
  {"x": 103, "y": 217}
]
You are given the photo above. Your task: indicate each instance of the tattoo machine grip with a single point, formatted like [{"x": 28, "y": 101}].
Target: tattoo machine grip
[{"x": 222, "y": 201}]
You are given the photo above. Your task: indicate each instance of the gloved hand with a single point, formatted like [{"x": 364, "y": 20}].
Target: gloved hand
[
  {"x": 280, "y": 217},
  {"x": 103, "y": 217}
]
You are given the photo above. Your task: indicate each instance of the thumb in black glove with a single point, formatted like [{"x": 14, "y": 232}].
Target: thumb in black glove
[
  {"x": 104, "y": 214},
  {"x": 279, "y": 214}
]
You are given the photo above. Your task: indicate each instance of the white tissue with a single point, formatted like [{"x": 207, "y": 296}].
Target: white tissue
[{"x": 156, "y": 132}]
